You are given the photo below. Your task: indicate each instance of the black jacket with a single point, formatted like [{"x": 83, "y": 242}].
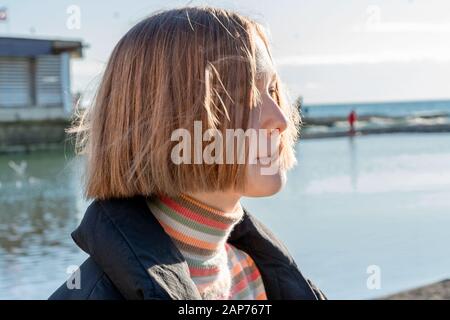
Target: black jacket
[{"x": 131, "y": 257}]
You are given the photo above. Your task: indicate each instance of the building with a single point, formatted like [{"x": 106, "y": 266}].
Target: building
[
  {"x": 35, "y": 77},
  {"x": 34, "y": 86}
]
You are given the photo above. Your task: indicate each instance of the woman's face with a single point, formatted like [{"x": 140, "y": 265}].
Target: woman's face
[{"x": 265, "y": 177}]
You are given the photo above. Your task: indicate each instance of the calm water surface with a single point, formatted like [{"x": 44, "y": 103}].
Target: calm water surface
[{"x": 350, "y": 203}]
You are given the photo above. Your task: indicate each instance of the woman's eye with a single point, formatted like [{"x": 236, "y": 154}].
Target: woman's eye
[{"x": 272, "y": 91}]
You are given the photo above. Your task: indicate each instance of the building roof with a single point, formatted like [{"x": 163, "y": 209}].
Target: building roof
[{"x": 30, "y": 47}]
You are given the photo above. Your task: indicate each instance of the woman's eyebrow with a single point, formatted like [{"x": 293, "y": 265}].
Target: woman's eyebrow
[
  {"x": 273, "y": 76},
  {"x": 267, "y": 74}
]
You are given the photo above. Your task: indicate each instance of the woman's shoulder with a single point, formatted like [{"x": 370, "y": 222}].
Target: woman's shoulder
[{"x": 126, "y": 246}]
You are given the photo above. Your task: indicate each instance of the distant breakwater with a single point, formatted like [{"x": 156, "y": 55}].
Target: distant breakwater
[{"x": 327, "y": 127}]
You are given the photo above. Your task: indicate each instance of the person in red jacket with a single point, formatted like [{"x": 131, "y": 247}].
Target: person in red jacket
[{"x": 351, "y": 121}]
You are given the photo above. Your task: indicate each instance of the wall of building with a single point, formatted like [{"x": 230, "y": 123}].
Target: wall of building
[
  {"x": 29, "y": 135},
  {"x": 35, "y": 102},
  {"x": 25, "y": 114},
  {"x": 40, "y": 81}
]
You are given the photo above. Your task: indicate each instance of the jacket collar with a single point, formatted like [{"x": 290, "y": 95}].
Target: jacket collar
[{"x": 127, "y": 242}]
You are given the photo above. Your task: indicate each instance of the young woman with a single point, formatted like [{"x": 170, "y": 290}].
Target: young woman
[{"x": 166, "y": 221}]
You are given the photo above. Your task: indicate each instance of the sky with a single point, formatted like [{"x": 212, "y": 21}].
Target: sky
[{"x": 327, "y": 51}]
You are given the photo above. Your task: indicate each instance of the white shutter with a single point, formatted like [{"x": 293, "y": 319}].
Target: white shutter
[
  {"x": 48, "y": 81},
  {"x": 14, "y": 82}
]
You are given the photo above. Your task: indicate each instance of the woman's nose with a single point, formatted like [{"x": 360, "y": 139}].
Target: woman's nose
[{"x": 275, "y": 118}]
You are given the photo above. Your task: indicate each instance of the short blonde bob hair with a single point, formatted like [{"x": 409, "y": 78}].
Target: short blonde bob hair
[{"x": 171, "y": 69}]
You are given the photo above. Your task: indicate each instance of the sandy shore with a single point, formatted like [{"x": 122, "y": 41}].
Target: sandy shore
[{"x": 435, "y": 291}]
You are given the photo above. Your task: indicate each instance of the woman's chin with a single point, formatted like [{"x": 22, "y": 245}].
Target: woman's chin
[{"x": 265, "y": 185}]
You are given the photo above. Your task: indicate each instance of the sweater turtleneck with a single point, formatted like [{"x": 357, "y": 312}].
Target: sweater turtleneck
[{"x": 200, "y": 232}]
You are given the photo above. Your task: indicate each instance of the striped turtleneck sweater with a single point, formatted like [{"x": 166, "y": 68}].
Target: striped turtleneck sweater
[{"x": 219, "y": 270}]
